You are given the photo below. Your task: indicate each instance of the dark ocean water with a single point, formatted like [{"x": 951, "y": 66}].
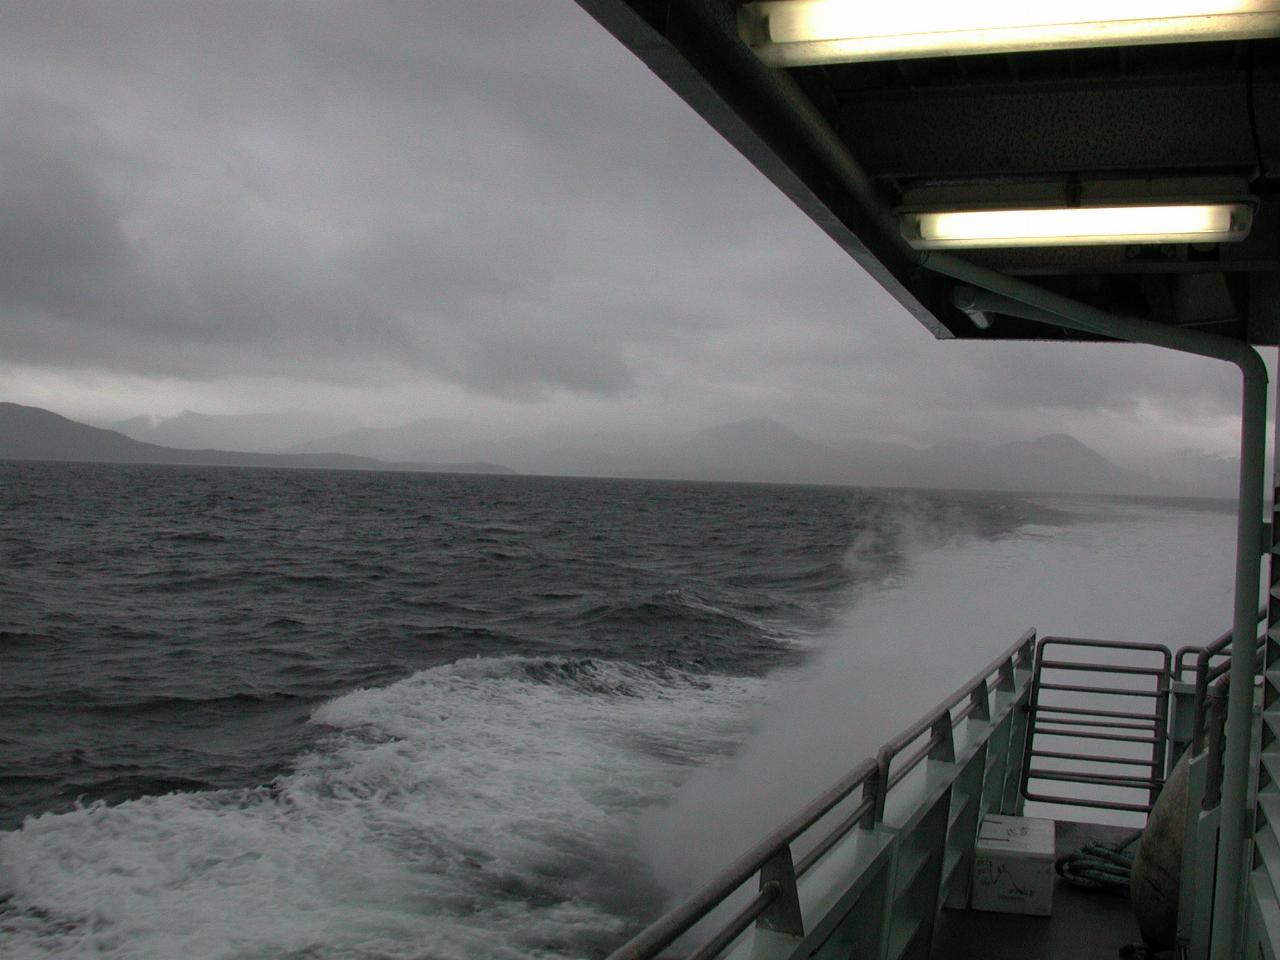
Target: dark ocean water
[{"x": 254, "y": 713}]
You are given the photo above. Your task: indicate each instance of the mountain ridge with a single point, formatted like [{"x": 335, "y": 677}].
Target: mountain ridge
[
  {"x": 33, "y": 433},
  {"x": 758, "y": 449},
  {"x": 415, "y": 437}
]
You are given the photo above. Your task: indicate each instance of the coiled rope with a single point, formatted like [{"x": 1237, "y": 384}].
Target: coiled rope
[{"x": 1099, "y": 866}]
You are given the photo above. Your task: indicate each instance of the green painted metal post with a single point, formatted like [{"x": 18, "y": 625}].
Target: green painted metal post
[
  {"x": 1003, "y": 294},
  {"x": 1237, "y": 822}
]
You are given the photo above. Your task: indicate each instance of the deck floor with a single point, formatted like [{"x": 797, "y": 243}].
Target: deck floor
[{"x": 1084, "y": 925}]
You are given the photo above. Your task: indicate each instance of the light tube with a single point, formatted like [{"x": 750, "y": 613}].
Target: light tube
[
  {"x": 1078, "y": 226},
  {"x": 791, "y": 33}
]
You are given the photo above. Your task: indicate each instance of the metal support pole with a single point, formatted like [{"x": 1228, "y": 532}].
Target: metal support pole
[{"x": 1003, "y": 294}]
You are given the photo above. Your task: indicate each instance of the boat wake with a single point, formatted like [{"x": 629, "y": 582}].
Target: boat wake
[
  {"x": 512, "y": 805},
  {"x": 478, "y": 809}
]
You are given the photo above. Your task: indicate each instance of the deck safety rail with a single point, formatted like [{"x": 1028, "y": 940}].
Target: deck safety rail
[
  {"x": 1182, "y": 660},
  {"x": 988, "y": 706},
  {"x": 1212, "y": 662},
  {"x": 1221, "y": 647},
  {"x": 1100, "y": 722},
  {"x": 1203, "y": 814},
  {"x": 1191, "y": 680}
]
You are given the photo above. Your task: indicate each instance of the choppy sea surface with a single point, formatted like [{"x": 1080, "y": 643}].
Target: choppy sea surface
[{"x": 308, "y": 714}]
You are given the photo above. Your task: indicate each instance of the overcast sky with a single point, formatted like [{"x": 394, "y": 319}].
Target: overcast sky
[{"x": 472, "y": 209}]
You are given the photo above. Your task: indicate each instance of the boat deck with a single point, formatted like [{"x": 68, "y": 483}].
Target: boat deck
[{"x": 1084, "y": 925}]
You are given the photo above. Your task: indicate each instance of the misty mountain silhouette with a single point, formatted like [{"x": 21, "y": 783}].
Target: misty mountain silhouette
[
  {"x": 255, "y": 432},
  {"x": 764, "y": 449},
  {"x": 31, "y": 433},
  {"x": 410, "y": 441},
  {"x": 752, "y": 450}
]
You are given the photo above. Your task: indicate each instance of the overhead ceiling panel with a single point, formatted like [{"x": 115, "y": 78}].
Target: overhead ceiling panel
[{"x": 856, "y": 145}]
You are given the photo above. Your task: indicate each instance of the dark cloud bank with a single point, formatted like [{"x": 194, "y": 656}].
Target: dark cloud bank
[{"x": 484, "y": 195}]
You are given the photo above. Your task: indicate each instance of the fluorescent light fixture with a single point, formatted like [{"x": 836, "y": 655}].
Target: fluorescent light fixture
[
  {"x": 979, "y": 318},
  {"x": 1078, "y": 226},
  {"x": 791, "y": 33}
]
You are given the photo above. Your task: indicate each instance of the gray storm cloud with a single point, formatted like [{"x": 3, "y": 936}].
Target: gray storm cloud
[{"x": 486, "y": 195}]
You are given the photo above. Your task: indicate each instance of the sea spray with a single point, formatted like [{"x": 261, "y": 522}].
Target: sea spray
[
  {"x": 1129, "y": 572},
  {"x": 542, "y": 661}
]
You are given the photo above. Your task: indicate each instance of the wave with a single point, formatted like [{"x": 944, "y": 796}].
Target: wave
[
  {"x": 477, "y": 809},
  {"x": 164, "y": 704},
  {"x": 191, "y": 536},
  {"x": 15, "y": 638},
  {"x": 486, "y": 808},
  {"x": 668, "y": 605},
  {"x": 681, "y": 628}
]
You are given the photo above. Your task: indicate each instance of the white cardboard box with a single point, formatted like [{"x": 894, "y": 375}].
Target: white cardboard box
[{"x": 1013, "y": 865}]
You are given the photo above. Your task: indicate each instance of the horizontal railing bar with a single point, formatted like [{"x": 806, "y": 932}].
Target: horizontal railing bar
[
  {"x": 1103, "y": 724},
  {"x": 1080, "y": 688},
  {"x": 1218, "y": 670},
  {"x": 1101, "y": 668},
  {"x": 924, "y": 723},
  {"x": 912, "y": 761},
  {"x": 835, "y": 836},
  {"x": 1215, "y": 648},
  {"x": 1087, "y": 735},
  {"x": 963, "y": 713},
  {"x": 1158, "y": 648},
  {"x": 741, "y": 920},
  {"x": 678, "y": 921},
  {"x": 1012, "y": 657},
  {"x": 1053, "y": 754},
  {"x": 666, "y": 930},
  {"x": 1081, "y": 802},
  {"x": 1100, "y": 779},
  {"x": 935, "y": 730},
  {"x": 1088, "y": 712},
  {"x": 1220, "y": 645},
  {"x": 1180, "y": 665}
]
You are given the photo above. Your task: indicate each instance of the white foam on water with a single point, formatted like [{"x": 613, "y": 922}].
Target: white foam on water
[
  {"x": 1131, "y": 572},
  {"x": 499, "y": 808},
  {"x": 473, "y": 810}
]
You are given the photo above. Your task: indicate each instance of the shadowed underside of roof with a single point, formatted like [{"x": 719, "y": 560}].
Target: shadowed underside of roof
[{"x": 856, "y": 145}]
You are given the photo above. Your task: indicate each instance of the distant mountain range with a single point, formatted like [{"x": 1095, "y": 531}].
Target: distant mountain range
[
  {"x": 758, "y": 450},
  {"x": 420, "y": 439},
  {"x": 252, "y": 432},
  {"x": 767, "y": 450},
  {"x": 30, "y": 433}
]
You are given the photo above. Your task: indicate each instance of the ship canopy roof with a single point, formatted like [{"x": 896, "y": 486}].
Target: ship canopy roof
[{"x": 872, "y": 146}]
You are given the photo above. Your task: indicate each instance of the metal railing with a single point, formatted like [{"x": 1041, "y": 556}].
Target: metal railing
[
  {"x": 1205, "y": 701},
  {"x": 890, "y": 842},
  {"x": 1212, "y": 662},
  {"x": 1204, "y": 759},
  {"x": 775, "y": 907},
  {"x": 1114, "y": 733},
  {"x": 1145, "y": 727},
  {"x": 1221, "y": 647}
]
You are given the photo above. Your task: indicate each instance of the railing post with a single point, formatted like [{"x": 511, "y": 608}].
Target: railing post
[
  {"x": 874, "y": 789},
  {"x": 1007, "y": 682},
  {"x": 980, "y": 697},
  {"x": 1025, "y": 720},
  {"x": 942, "y": 731},
  {"x": 781, "y": 925},
  {"x": 1027, "y": 654},
  {"x": 1160, "y": 752},
  {"x": 1016, "y": 771},
  {"x": 861, "y": 919},
  {"x": 1215, "y": 709}
]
